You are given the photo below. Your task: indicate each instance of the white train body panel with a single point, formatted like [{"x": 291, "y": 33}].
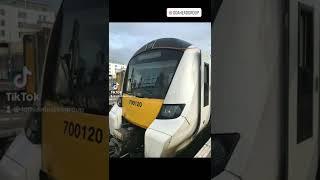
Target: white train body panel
[
  {"x": 183, "y": 90},
  {"x": 250, "y": 91},
  {"x": 16, "y": 165},
  {"x": 115, "y": 118},
  {"x": 165, "y": 137}
]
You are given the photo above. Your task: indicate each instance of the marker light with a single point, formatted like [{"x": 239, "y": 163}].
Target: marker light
[
  {"x": 170, "y": 111},
  {"x": 119, "y": 102},
  {"x": 33, "y": 128}
]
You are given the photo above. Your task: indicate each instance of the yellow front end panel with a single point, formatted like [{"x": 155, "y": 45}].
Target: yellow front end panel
[
  {"x": 140, "y": 111},
  {"x": 74, "y": 145}
]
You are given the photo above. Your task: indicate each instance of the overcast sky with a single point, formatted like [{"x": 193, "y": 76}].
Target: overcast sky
[{"x": 126, "y": 38}]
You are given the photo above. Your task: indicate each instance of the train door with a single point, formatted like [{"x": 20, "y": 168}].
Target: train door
[
  {"x": 74, "y": 118},
  {"x": 303, "y": 83}
]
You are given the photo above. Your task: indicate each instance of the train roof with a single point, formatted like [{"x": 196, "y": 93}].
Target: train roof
[{"x": 164, "y": 43}]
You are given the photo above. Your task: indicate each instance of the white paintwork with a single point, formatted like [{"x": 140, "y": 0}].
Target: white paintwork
[
  {"x": 169, "y": 127},
  {"x": 185, "y": 81},
  {"x": 22, "y": 161},
  {"x": 302, "y": 157},
  {"x": 205, "y": 151},
  {"x": 115, "y": 118},
  {"x": 11, "y": 170},
  {"x": 247, "y": 67},
  {"x": 176, "y": 130},
  {"x": 183, "y": 90},
  {"x": 156, "y": 143},
  {"x": 163, "y": 138},
  {"x": 248, "y": 89}
]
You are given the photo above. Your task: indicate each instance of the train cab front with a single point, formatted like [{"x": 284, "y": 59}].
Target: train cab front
[{"x": 157, "y": 113}]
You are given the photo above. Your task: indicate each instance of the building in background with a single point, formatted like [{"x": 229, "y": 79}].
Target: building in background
[
  {"x": 20, "y": 17},
  {"x": 17, "y": 19},
  {"x": 116, "y": 75},
  {"x": 114, "y": 68}
]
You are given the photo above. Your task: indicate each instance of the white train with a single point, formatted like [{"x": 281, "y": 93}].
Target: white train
[
  {"x": 165, "y": 103},
  {"x": 266, "y": 90}
]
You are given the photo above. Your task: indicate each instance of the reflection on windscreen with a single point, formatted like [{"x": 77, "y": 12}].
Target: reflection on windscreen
[
  {"x": 82, "y": 49},
  {"x": 150, "y": 74}
]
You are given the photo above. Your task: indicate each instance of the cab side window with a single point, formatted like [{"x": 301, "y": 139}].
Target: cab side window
[
  {"x": 305, "y": 73},
  {"x": 206, "y": 84}
]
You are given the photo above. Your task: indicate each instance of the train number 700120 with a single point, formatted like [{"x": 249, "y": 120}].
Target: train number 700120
[{"x": 84, "y": 132}]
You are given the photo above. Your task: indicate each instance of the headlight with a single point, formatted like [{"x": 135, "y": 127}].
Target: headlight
[
  {"x": 33, "y": 128},
  {"x": 119, "y": 102},
  {"x": 170, "y": 111}
]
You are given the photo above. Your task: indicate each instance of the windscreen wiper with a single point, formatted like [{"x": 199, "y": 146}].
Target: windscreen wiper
[
  {"x": 140, "y": 96},
  {"x": 74, "y": 50}
]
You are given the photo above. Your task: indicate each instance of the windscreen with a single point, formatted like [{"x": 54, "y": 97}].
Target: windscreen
[
  {"x": 150, "y": 73},
  {"x": 79, "y": 78}
]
